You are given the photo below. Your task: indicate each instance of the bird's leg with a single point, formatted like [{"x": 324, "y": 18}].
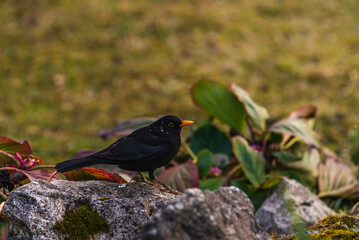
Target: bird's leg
[
  {"x": 171, "y": 190},
  {"x": 52, "y": 175},
  {"x": 152, "y": 176},
  {"x": 146, "y": 181}
]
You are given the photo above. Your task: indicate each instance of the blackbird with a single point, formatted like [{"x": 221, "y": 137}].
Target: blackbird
[{"x": 144, "y": 150}]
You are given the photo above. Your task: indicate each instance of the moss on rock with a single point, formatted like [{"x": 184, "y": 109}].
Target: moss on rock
[
  {"x": 81, "y": 223},
  {"x": 103, "y": 198},
  {"x": 334, "y": 228}
]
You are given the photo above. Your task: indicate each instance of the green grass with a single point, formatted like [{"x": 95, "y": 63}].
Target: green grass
[{"x": 70, "y": 68}]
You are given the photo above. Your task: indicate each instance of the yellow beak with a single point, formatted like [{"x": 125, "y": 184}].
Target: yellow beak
[{"x": 186, "y": 122}]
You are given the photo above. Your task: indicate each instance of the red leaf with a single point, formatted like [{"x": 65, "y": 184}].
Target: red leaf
[
  {"x": 90, "y": 173},
  {"x": 181, "y": 176},
  {"x": 10, "y": 146},
  {"x": 8, "y": 159},
  {"x": 42, "y": 174},
  {"x": 306, "y": 111}
]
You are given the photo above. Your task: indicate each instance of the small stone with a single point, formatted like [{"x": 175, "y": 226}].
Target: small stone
[
  {"x": 273, "y": 216},
  {"x": 223, "y": 214}
]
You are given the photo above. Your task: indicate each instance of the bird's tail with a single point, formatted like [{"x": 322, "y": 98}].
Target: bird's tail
[{"x": 79, "y": 163}]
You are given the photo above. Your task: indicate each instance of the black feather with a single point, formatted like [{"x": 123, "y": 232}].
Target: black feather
[{"x": 146, "y": 149}]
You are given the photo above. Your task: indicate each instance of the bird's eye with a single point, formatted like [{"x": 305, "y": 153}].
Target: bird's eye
[{"x": 171, "y": 125}]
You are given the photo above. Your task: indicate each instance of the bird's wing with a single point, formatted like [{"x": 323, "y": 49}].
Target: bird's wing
[{"x": 131, "y": 150}]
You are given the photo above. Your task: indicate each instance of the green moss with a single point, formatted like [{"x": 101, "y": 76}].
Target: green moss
[
  {"x": 336, "y": 222},
  {"x": 291, "y": 238},
  {"x": 82, "y": 222},
  {"x": 336, "y": 235},
  {"x": 275, "y": 235},
  {"x": 150, "y": 213},
  {"x": 334, "y": 228},
  {"x": 103, "y": 198}
]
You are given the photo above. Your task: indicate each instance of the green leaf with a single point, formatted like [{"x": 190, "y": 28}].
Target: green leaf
[
  {"x": 309, "y": 162},
  {"x": 298, "y": 128},
  {"x": 285, "y": 156},
  {"x": 275, "y": 138},
  {"x": 180, "y": 176},
  {"x": 244, "y": 185},
  {"x": 220, "y": 103},
  {"x": 253, "y": 163},
  {"x": 271, "y": 182},
  {"x": 256, "y": 195},
  {"x": 204, "y": 162},
  {"x": 354, "y": 142},
  {"x": 211, "y": 138},
  {"x": 210, "y": 184},
  {"x": 3, "y": 198},
  {"x": 297, "y": 174},
  {"x": 91, "y": 173},
  {"x": 336, "y": 178},
  {"x": 292, "y": 174},
  {"x": 306, "y": 113},
  {"x": 258, "y": 114}
]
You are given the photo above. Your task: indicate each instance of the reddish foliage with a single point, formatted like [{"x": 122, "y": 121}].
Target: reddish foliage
[{"x": 90, "y": 173}]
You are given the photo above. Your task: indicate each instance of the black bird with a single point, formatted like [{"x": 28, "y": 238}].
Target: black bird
[{"x": 144, "y": 150}]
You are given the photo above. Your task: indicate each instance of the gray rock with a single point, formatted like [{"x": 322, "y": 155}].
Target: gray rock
[
  {"x": 225, "y": 213},
  {"x": 304, "y": 206},
  {"x": 34, "y": 208}
]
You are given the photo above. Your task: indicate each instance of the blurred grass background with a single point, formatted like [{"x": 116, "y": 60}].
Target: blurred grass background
[{"x": 71, "y": 68}]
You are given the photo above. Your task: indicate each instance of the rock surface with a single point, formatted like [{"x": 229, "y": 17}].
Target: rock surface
[
  {"x": 225, "y": 213},
  {"x": 274, "y": 217},
  {"x": 34, "y": 208}
]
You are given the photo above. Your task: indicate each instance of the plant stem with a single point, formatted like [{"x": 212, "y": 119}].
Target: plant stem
[
  {"x": 233, "y": 171},
  {"x": 189, "y": 151},
  {"x": 3, "y": 195},
  {"x": 250, "y": 130}
]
